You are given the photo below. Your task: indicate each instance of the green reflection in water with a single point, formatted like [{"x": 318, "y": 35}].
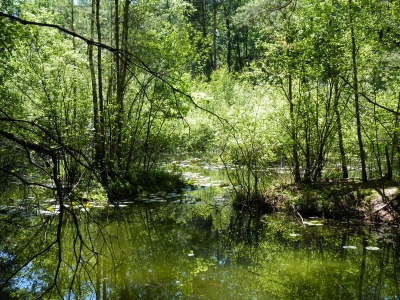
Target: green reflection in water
[
  {"x": 175, "y": 251},
  {"x": 199, "y": 249}
]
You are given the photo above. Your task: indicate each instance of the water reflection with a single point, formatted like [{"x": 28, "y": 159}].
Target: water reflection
[{"x": 198, "y": 251}]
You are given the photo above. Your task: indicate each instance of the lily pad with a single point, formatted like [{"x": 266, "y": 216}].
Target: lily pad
[
  {"x": 47, "y": 212},
  {"x": 350, "y": 247},
  {"x": 372, "y": 248},
  {"x": 389, "y": 235},
  {"x": 312, "y": 223},
  {"x": 315, "y": 222}
]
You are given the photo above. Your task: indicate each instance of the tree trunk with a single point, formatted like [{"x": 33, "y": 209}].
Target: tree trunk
[
  {"x": 389, "y": 174},
  {"x": 395, "y": 136},
  {"x": 378, "y": 151},
  {"x": 121, "y": 41},
  {"x": 228, "y": 36},
  {"x": 203, "y": 19},
  {"x": 214, "y": 34},
  {"x": 343, "y": 159},
  {"x": 356, "y": 95},
  {"x": 336, "y": 96},
  {"x": 295, "y": 153},
  {"x": 115, "y": 139},
  {"x": 95, "y": 101},
  {"x": 239, "y": 61},
  {"x": 72, "y": 22},
  {"x": 101, "y": 136}
]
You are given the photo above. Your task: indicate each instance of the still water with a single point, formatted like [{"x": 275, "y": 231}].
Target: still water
[
  {"x": 203, "y": 253},
  {"x": 195, "y": 246},
  {"x": 199, "y": 251}
]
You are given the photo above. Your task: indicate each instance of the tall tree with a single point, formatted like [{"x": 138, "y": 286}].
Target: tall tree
[
  {"x": 356, "y": 92},
  {"x": 214, "y": 34}
]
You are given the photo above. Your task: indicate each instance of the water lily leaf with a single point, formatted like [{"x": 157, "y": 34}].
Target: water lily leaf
[
  {"x": 315, "y": 222},
  {"x": 389, "y": 235},
  {"x": 350, "y": 247},
  {"x": 372, "y": 248},
  {"x": 312, "y": 223},
  {"x": 47, "y": 213}
]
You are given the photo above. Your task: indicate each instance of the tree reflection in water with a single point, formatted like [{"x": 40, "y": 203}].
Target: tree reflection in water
[{"x": 173, "y": 251}]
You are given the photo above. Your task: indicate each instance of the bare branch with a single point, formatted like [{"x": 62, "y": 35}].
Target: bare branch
[
  {"x": 4, "y": 284},
  {"x": 370, "y": 100},
  {"x": 24, "y": 181},
  {"x": 123, "y": 55},
  {"x": 69, "y": 32},
  {"x": 281, "y": 7},
  {"x": 33, "y": 146}
]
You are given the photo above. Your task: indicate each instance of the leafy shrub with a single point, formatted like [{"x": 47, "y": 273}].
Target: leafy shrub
[
  {"x": 200, "y": 139},
  {"x": 146, "y": 181}
]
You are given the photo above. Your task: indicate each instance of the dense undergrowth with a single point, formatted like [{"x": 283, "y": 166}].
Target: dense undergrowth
[
  {"x": 375, "y": 201},
  {"x": 146, "y": 181}
]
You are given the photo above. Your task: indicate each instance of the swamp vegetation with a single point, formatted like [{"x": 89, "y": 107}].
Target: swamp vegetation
[{"x": 219, "y": 149}]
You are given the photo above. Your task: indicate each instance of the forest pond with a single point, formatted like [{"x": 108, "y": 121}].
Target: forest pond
[{"x": 199, "y": 247}]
